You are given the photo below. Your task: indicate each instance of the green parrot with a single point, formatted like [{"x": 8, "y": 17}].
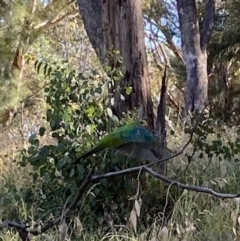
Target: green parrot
[{"x": 132, "y": 140}]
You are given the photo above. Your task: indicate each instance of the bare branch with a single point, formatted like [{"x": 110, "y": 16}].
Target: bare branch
[
  {"x": 34, "y": 6},
  {"x": 58, "y": 17},
  {"x": 165, "y": 31},
  {"x": 55, "y": 20},
  {"x": 190, "y": 187}
]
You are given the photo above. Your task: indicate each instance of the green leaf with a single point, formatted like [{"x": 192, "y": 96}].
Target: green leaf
[
  {"x": 128, "y": 90},
  {"x": 67, "y": 116},
  {"x": 108, "y": 68},
  {"x": 35, "y": 64},
  {"x": 112, "y": 101},
  {"x": 49, "y": 71},
  {"x": 117, "y": 78},
  {"x": 88, "y": 129},
  {"x": 38, "y": 67},
  {"x": 33, "y": 140},
  {"x": 45, "y": 69},
  {"x": 98, "y": 90},
  {"x": 122, "y": 97},
  {"x": 115, "y": 118},
  {"x": 90, "y": 111}
]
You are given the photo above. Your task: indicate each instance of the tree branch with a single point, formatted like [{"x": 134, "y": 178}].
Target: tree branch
[
  {"x": 190, "y": 187},
  {"x": 58, "y": 17},
  {"x": 169, "y": 42},
  {"x": 55, "y": 20}
]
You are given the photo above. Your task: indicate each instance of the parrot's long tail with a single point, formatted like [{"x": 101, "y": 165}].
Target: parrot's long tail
[{"x": 89, "y": 153}]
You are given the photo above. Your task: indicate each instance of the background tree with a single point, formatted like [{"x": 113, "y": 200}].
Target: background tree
[{"x": 195, "y": 36}]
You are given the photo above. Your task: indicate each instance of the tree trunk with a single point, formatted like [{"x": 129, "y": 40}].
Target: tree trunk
[
  {"x": 91, "y": 12},
  {"x": 123, "y": 31},
  {"x": 194, "y": 46}
]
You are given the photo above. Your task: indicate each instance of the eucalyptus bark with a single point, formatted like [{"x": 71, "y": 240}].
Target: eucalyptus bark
[
  {"x": 120, "y": 28},
  {"x": 194, "y": 47}
]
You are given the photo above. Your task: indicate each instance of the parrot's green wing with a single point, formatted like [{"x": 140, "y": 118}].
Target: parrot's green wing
[
  {"x": 118, "y": 137},
  {"x": 144, "y": 151}
]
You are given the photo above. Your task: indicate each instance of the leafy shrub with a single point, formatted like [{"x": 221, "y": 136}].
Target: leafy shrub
[{"x": 78, "y": 116}]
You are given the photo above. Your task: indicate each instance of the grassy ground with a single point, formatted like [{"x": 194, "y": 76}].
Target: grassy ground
[{"x": 195, "y": 216}]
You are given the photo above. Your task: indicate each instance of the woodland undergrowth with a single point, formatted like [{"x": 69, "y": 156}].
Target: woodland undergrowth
[{"x": 194, "y": 216}]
